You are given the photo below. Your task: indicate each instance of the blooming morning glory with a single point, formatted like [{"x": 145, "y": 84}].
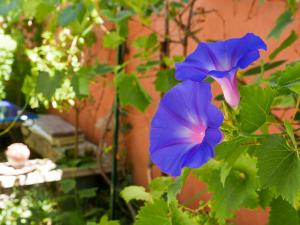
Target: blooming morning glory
[
  {"x": 185, "y": 128},
  {"x": 221, "y": 60}
]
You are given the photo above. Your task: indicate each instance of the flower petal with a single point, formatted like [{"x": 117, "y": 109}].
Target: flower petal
[
  {"x": 170, "y": 159},
  {"x": 215, "y": 118},
  {"x": 179, "y": 127},
  {"x": 213, "y": 136},
  {"x": 198, "y": 155},
  {"x": 220, "y": 58},
  {"x": 230, "y": 90}
]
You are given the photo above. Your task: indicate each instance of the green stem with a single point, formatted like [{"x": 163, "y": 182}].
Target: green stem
[{"x": 114, "y": 175}]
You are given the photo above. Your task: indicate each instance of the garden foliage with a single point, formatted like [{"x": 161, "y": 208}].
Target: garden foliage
[{"x": 44, "y": 50}]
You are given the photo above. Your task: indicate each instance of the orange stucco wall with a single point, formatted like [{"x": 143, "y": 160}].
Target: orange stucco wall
[{"x": 234, "y": 18}]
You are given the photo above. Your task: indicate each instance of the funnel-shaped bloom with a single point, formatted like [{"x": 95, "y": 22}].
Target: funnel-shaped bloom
[
  {"x": 221, "y": 60},
  {"x": 185, "y": 128}
]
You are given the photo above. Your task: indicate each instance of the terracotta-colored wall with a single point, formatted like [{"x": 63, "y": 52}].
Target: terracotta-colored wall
[{"x": 234, "y": 18}]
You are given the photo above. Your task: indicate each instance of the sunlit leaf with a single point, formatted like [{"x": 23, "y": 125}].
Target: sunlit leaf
[
  {"x": 135, "y": 193},
  {"x": 112, "y": 40},
  {"x": 154, "y": 213}
]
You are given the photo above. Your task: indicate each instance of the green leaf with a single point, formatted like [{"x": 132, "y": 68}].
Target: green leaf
[
  {"x": 135, "y": 193},
  {"x": 71, "y": 14},
  {"x": 159, "y": 186},
  {"x": 104, "y": 221},
  {"x": 286, "y": 43},
  {"x": 230, "y": 151},
  {"x": 7, "y": 6},
  {"x": 43, "y": 9},
  {"x": 29, "y": 7},
  {"x": 145, "y": 42},
  {"x": 283, "y": 213},
  {"x": 131, "y": 92},
  {"x": 284, "y": 101},
  {"x": 67, "y": 185},
  {"x": 165, "y": 80},
  {"x": 240, "y": 185},
  {"x": 289, "y": 130},
  {"x": 101, "y": 69},
  {"x": 176, "y": 187},
  {"x": 88, "y": 192},
  {"x": 279, "y": 167},
  {"x": 47, "y": 85},
  {"x": 266, "y": 67},
  {"x": 154, "y": 213},
  {"x": 265, "y": 197},
  {"x": 112, "y": 40},
  {"x": 290, "y": 77},
  {"x": 179, "y": 217},
  {"x": 147, "y": 66},
  {"x": 282, "y": 21},
  {"x": 254, "y": 107},
  {"x": 119, "y": 17}
]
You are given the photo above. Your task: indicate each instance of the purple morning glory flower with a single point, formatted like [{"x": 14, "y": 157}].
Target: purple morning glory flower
[
  {"x": 185, "y": 128},
  {"x": 221, "y": 60}
]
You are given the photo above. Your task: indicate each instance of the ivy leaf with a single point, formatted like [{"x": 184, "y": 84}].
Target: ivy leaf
[
  {"x": 165, "y": 80},
  {"x": 286, "y": 43},
  {"x": 283, "y": 213},
  {"x": 154, "y": 213},
  {"x": 279, "y": 167},
  {"x": 135, "y": 193},
  {"x": 47, "y": 84},
  {"x": 239, "y": 186},
  {"x": 283, "y": 20},
  {"x": 159, "y": 186},
  {"x": 131, "y": 92},
  {"x": 71, "y": 14},
  {"x": 254, "y": 107},
  {"x": 112, "y": 40}
]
